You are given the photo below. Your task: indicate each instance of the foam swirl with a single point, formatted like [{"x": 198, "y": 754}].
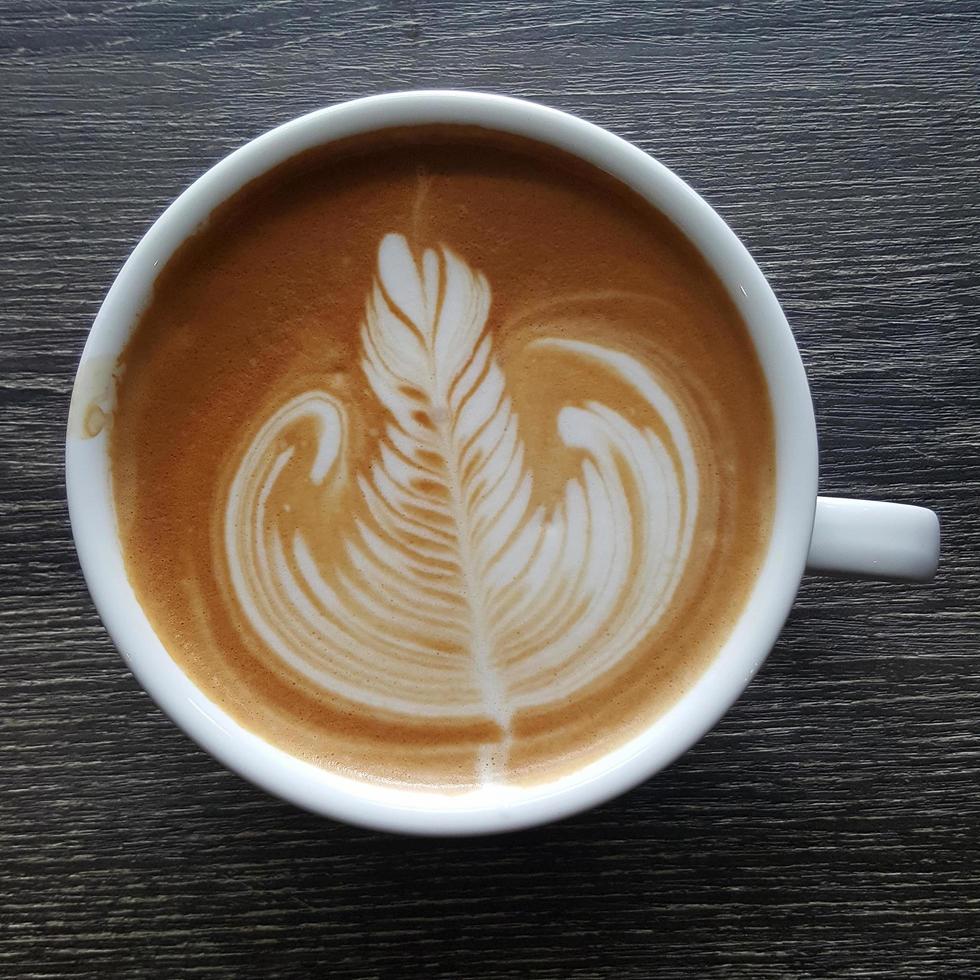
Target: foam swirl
[{"x": 450, "y": 589}]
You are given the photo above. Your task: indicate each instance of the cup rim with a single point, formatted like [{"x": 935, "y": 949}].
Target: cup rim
[{"x": 494, "y": 809}]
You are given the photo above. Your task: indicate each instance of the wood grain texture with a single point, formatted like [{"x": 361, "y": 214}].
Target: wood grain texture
[{"x": 829, "y": 826}]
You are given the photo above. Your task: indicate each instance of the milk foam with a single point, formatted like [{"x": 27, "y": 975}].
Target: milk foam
[{"x": 450, "y": 592}]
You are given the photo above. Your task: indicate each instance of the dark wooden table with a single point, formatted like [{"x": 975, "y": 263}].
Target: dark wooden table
[{"x": 829, "y": 826}]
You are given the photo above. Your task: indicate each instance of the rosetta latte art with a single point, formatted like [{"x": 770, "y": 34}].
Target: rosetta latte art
[{"x": 451, "y": 590}]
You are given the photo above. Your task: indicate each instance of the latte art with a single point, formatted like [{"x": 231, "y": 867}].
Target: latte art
[
  {"x": 441, "y": 459},
  {"x": 453, "y": 593}
]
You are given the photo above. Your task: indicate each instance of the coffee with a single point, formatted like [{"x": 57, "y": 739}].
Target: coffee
[{"x": 441, "y": 458}]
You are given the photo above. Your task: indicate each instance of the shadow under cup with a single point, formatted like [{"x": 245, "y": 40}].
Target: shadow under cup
[{"x": 492, "y": 806}]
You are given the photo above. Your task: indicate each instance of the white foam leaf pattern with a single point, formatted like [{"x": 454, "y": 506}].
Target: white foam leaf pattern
[{"x": 453, "y": 595}]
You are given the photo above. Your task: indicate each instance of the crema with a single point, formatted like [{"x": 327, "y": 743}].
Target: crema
[{"x": 441, "y": 458}]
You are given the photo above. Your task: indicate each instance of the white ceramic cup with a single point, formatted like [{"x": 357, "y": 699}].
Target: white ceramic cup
[{"x": 826, "y": 535}]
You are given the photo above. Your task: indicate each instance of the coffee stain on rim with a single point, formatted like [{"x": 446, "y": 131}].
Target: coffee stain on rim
[{"x": 93, "y": 398}]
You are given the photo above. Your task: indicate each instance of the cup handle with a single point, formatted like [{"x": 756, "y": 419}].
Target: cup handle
[{"x": 875, "y": 540}]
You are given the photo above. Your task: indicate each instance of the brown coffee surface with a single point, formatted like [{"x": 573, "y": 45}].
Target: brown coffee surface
[{"x": 440, "y": 457}]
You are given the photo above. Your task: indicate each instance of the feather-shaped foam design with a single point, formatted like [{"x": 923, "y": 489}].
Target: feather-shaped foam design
[{"x": 450, "y": 593}]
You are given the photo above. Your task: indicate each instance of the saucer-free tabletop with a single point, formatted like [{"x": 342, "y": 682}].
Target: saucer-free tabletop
[{"x": 828, "y": 827}]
